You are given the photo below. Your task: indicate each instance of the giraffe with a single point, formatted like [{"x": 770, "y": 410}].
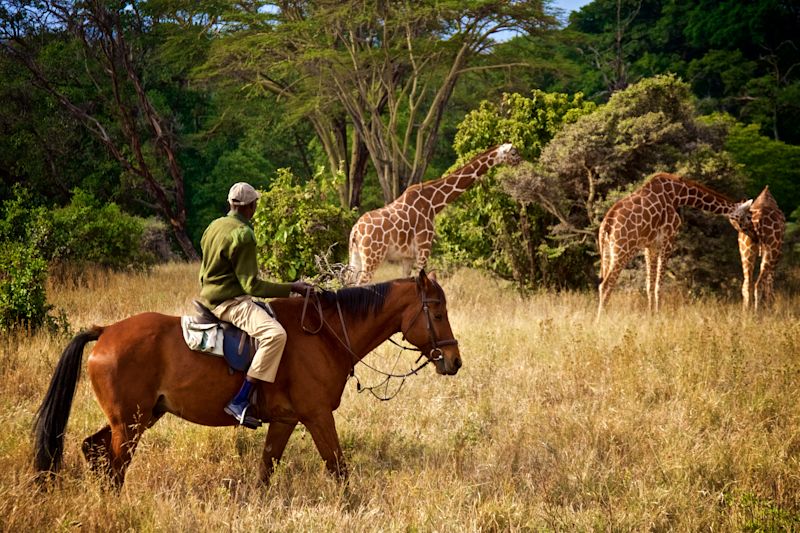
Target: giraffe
[
  {"x": 769, "y": 225},
  {"x": 648, "y": 218},
  {"x": 403, "y": 229}
]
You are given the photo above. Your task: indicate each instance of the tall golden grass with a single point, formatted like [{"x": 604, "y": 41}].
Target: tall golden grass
[{"x": 684, "y": 421}]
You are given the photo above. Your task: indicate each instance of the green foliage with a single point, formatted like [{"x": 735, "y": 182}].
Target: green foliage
[
  {"x": 739, "y": 56},
  {"x": 378, "y": 74},
  {"x": 766, "y": 162},
  {"x": 763, "y": 514},
  {"x": 487, "y": 228},
  {"x": 649, "y": 126},
  {"x": 83, "y": 232},
  {"x": 33, "y": 238},
  {"x": 86, "y": 232},
  {"x": 528, "y": 122},
  {"x": 583, "y": 167},
  {"x": 23, "y": 273},
  {"x": 295, "y": 223}
]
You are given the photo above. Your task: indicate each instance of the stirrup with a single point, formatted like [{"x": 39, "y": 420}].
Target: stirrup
[{"x": 244, "y": 419}]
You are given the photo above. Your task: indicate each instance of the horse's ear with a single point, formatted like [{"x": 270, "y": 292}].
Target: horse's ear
[
  {"x": 432, "y": 276},
  {"x": 422, "y": 279}
]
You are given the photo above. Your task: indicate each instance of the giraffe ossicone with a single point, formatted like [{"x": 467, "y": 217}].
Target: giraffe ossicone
[
  {"x": 403, "y": 229},
  {"x": 648, "y": 220}
]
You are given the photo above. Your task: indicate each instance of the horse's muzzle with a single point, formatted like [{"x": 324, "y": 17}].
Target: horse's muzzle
[{"x": 448, "y": 364}]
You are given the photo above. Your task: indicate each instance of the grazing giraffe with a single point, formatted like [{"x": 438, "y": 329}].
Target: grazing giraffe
[
  {"x": 403, "y": 229},
  {"x": 648, "y": 219},
  {"x": 769, "y": 225}
]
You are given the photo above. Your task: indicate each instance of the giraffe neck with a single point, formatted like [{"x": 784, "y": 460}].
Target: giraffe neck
[
  {"x": 439, "y": 193},
  {"x": 693, "y": 194}
]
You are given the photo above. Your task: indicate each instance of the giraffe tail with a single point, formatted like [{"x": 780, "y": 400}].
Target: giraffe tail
[
  {"x": 354, "y": 266},
  {"x": 602, "y": 239}
]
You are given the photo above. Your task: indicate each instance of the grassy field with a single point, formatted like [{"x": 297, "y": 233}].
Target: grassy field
[{"x": 685, "y": 421}]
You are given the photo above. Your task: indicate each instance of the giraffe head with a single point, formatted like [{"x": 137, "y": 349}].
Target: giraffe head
[
  {"x": 507, "y": 154},
  {"x": 742, "y": 219}
]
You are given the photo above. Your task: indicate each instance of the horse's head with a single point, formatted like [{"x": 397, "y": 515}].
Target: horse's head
[{"x": 425, "y": 325}]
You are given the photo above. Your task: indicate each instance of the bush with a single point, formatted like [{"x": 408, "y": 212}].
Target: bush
[
  {"x": 489, "y": 229},
  {"x": 85, "y": 232},
  {"x": 33, "y": 239},
  {"x": 23, "y": 273},
  {"x": 295, "y": 223}
]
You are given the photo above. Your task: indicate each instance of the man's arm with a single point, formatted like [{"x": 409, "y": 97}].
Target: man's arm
[{"x": 245, "y": 265}]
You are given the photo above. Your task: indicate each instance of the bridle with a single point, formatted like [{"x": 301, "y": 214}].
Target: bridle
[
  {"x": 431, "y": 356},
  {"x": 435, "y": 353}
]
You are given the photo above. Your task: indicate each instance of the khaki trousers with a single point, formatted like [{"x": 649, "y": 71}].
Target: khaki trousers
[{"x": 270, "y": 336}]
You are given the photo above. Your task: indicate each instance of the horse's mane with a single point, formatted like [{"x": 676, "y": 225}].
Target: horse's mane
[{"x": 359, "y": 301}]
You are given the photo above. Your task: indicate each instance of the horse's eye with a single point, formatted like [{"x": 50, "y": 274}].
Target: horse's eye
[{"x": 437, "y": 316}]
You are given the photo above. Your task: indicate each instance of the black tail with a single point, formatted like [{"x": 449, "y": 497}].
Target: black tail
[{"x": 51, "y": 419}]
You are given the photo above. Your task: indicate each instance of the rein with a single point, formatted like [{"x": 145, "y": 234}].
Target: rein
[{"x": 435, "y": 343}]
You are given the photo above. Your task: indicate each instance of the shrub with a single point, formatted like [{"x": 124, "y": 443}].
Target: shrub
[
  {"x": 33, "y": 239},
  {"x": 23, "y": 273},
  {"x": 86, "y": 232},
  {"x": 489, "y": 229},
  {"x": 295, "y": 223}
]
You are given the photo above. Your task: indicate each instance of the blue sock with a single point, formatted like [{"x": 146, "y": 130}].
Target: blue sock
[{"x": 244, "y": 393}]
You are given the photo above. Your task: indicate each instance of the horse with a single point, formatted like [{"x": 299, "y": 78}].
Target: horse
[{"x": 141, "y": 368}]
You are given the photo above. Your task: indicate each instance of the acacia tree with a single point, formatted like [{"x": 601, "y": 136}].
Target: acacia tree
[
  {"x": 116, "y": 108},
  {"x": 374, "y": 78}
]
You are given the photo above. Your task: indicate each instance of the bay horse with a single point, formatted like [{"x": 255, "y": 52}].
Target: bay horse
[{"x": 140, "y": 368}]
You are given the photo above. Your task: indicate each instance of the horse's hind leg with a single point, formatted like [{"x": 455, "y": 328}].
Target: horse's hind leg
[
  {"x": 125, "y": 435},
  {"x": 97, "y": 450}
]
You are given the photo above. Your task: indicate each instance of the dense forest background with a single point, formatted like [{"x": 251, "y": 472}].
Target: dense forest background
[{"x": 144, "y": 113}]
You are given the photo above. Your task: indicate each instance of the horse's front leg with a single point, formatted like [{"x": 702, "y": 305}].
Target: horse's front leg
[
  {"x": 277, "y": 436},
  {"x": 323, "y": 430}
]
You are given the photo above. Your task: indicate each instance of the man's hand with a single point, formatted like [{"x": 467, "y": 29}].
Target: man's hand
[{"x": 301, "y": 287}]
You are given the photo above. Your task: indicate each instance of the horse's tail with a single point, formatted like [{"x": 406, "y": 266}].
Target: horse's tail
[{"x": 53, "y": 414}]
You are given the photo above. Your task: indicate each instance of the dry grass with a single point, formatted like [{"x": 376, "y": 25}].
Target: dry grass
[{"x": 685, "y": 421}]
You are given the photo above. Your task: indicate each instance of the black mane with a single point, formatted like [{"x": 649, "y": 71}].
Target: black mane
[{"x": 359, "y": 301}]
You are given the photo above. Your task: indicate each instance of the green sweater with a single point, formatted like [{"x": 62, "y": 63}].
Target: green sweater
[{"x": 229, "y": 267}]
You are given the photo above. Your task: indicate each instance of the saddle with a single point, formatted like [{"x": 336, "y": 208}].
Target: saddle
[{"x": 206, "y": 333}]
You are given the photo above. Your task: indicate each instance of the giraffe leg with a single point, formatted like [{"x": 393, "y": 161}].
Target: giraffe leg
[
  {"x": 748, "y": 257},
  {"x": 660, "y": 267},
  {"x": 651, "y": 260},
  {"x": 423, "y": 241},
  {"x": 763, "y": 286},
  {"x": 617, "y": 261},
  {"x": 666, "y": 243},
  {"x": 407, "y": 266},
  {"x": 423, "y": 252}
]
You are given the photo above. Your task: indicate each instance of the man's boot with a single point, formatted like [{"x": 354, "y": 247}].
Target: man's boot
[{"x": 239, "y": 405}]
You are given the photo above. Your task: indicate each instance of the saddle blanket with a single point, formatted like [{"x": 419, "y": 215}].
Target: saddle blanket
[{"x": 205, "y": 333}]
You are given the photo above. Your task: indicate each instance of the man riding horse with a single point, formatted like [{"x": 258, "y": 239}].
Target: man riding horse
[{"x": 229, "y": 281}]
